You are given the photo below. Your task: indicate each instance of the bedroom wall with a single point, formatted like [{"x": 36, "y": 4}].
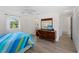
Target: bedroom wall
[
  {"x": 2, "y": 24},
  {"x": 27, "y": 24},
  {"x": 76, "y": 28}
]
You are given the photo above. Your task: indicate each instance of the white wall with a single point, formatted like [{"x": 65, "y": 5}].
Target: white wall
[
  {"x": 2, "y": 24},
  {"x": 27, "y": 24},
  {"x": 76, "y": 28}
]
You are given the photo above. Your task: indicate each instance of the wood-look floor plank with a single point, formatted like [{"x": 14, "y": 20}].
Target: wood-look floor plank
[{"x": 65, "y": 45}]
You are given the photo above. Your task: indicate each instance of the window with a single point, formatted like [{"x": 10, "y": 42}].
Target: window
[{"x": 13, "y": 22}]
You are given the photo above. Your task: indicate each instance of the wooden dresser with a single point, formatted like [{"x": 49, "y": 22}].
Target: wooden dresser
[{"x": 46, "y": 34}]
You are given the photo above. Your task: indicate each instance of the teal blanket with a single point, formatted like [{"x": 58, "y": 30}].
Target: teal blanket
[{"x": 15, "y": 42}]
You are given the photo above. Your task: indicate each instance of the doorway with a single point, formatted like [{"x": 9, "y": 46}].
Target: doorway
[{"x": 66, "y": 25}]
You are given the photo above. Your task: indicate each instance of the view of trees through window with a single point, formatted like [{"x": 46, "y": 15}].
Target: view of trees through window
[{"x": 14, "y": 24}]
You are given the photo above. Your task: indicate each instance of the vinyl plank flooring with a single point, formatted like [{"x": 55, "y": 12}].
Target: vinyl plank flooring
[{"x": 65, "y": 45}]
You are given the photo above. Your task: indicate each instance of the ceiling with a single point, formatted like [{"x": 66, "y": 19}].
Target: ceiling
[{"x": 34, "y": 10}]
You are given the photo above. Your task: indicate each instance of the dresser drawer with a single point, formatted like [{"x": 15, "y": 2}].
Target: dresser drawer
[{"x": 47, "y": 35}]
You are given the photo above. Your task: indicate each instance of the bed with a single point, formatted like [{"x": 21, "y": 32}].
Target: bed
[{"x": 17, "y": 42}]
